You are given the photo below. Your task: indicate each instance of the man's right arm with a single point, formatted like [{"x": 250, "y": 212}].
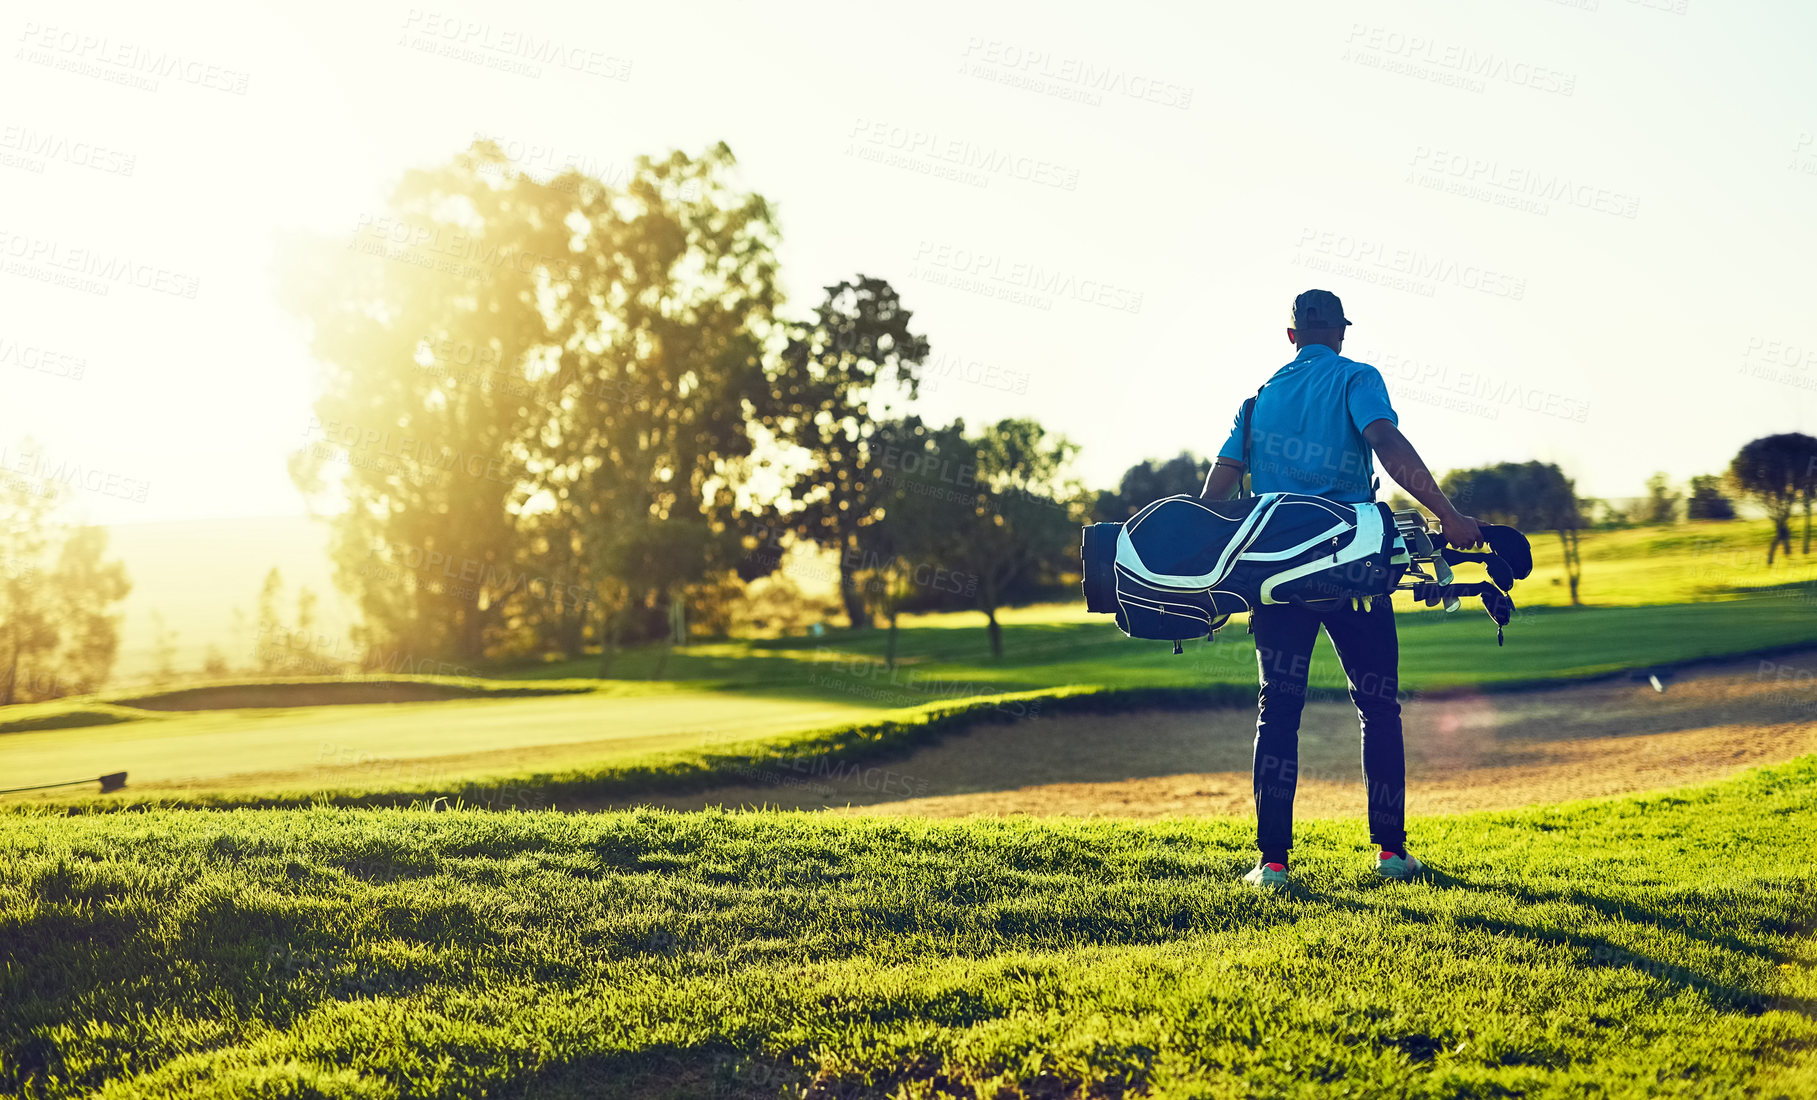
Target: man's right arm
[
  {"x": 1225, "y": 476},
  {"x": 1409, "y": 471}
]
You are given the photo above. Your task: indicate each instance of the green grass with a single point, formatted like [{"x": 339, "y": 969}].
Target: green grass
[
  {"x": 1670, "y": 564},
  {"x": 737, "y": 705},
  {"x": 1651, "y": 946}
]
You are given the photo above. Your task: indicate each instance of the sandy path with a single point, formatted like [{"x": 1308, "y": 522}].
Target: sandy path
[{"x": 1490, "y": 751}]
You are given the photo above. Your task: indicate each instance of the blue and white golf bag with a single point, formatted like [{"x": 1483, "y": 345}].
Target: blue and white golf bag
[{"x": 1181, "y": 567}]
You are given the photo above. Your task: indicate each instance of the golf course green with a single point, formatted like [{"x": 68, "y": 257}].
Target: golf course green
[{"x": 1645, "y": 946}]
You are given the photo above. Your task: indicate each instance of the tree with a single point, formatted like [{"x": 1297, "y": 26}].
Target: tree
[
  {"x": 1016, "y": 512},
  {"x": 430, "y": 325},
  {"x": 1533, "y": 496},
  {"x": 658, "y": 374},
  {"x": 87, "y": 586},
  {"x": 1661, "y": 505},
  {"x": 900, "y": 551},
  {"x": 1777, "y": 470},
  {"x": 1706, "y": 500},
  {"x": 523, "y": 381},
  {"x": 1148, "y": 481},
  {"x": 856, "y": 354},
  {"x": 58, "y": 634}
]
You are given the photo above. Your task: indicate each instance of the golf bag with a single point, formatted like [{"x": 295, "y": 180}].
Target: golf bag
[{"x": 1181, "y": 567}]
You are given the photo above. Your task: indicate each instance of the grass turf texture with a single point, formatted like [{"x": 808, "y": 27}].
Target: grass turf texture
[
  {"x": 753, "y": 710},
  {"x": 1650, "y": 946}
]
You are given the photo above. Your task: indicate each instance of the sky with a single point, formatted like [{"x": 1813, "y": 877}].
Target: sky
[{"x": 1581, "y": 231}]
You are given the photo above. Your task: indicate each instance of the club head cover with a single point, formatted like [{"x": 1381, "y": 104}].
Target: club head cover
[
  {"x": 1511, "y": 546},
  {"x": 1499, "y": 605}
]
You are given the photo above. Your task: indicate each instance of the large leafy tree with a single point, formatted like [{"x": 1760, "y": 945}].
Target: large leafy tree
[
  {"x": 1777, "y": 470},
  {"x": 537, "y": 399},
  {"x": 1533, "y": 496},
  {"x": 657, "y": 373},
  {"x": 429, "y": 324},
  {"x": 830, "y": 390}
]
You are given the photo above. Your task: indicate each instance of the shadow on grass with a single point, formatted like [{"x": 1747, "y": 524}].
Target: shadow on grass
[
  {"x": 1603, "y": 952},
  {"x": 666, "y": 1073}
]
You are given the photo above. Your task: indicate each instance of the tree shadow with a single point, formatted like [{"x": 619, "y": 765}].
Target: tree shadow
[{"x": 1602, "y": 952}]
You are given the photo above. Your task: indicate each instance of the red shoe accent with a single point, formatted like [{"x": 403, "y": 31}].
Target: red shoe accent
[
  {"x": 1274, "y": 866},
  {"x": 1388, "y": 855}
]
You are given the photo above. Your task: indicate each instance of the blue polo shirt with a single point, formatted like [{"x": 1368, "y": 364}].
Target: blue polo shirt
[{"x": 1306, "y": 434}]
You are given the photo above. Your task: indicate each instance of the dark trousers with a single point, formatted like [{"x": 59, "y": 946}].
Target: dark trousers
[{"x": 1370, "y": 652}]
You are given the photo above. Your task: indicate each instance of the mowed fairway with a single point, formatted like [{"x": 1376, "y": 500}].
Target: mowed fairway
[
  {"x": 1645, "y": 946},
  {"x": 401, "y": 743},
  {"x": 728, "y": 697}
]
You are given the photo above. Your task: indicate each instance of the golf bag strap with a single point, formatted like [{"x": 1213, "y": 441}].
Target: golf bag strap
[{"x": 1246, "y": 484}]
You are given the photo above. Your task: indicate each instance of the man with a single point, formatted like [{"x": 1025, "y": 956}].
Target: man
[{"x": 1312, "y": 429}]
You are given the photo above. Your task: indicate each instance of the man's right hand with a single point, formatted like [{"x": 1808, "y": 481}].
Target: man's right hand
[{"x": 1461, "y": 531}]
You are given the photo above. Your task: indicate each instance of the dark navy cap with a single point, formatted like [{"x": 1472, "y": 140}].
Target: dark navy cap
[{"x": 1317, "y": 309}]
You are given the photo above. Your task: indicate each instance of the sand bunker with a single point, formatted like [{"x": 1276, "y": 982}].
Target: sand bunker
[{"x": 1487, "y": 751}]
